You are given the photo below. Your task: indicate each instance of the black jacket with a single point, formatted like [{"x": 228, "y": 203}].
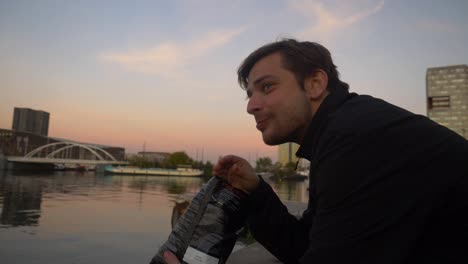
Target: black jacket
[{"x": 386, "y": 186}]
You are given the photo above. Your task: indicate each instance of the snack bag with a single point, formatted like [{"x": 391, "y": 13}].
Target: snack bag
[{"x": 208, "y": 230}]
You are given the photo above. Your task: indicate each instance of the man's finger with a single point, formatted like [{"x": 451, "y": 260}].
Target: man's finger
[
  {"x": 224, "y": 164},
  {"x": 228, "y": 160},
  {"x": 170, "y": 258}
]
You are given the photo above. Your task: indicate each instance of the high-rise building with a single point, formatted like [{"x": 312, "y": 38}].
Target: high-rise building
[
  {"x": 31, "y": 121},
  {"x": 287, "y": 153},
  {"x": 447, "y": 97}
]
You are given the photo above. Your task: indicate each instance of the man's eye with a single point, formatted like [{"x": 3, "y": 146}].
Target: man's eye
[
  {"x": 267, "y": 87},
  {"x": 248, "y": 95}
]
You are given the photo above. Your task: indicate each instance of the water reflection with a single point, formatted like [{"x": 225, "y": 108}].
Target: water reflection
[
  {"x": 21, "y": 202},
  {"x": 91, "y": 218},
  {"x": 291, "y": 190},
  {"x": 175, "y": 188},
  {"x": 21, "y": 195},
  {"x": 171, "y": 185}
]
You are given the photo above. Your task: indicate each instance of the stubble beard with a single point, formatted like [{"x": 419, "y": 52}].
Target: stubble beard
[
  {"x": 274, "y": 140},
  {"x": 292, "y": 135}
]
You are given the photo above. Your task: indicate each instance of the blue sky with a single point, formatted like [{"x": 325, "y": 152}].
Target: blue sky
[{"x": 164, "y": 72}]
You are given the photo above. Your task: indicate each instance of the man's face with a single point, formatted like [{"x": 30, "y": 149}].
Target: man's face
[{"x": 280, "y": 106}]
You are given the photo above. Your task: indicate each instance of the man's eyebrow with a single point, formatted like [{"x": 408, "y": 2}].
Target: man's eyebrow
[
  {"x": 256, "y": 82},
  {"x": 262, "y": 78}
]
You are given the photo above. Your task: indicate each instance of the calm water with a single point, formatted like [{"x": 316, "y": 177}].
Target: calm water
[{"x": 72, "y": 217}]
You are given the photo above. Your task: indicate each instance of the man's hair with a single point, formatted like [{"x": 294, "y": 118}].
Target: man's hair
[{"x": 301, "y": 58}]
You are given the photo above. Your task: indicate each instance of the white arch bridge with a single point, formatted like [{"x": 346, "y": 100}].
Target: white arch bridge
[{"x": 61, "y": 153}]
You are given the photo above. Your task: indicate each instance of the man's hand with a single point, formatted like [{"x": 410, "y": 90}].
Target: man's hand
[
  {"x": 170, "y": 258},
  {"x": 237, "y": 172}
]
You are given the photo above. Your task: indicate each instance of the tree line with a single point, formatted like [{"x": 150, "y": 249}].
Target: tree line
[
  {"x": 277, "y": 170},
  {"x": 262, "y": 165},
  {"x": 171, "y": 162}
]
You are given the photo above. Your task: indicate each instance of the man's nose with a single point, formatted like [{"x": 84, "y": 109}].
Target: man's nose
[{"x": 254, "y": 104}]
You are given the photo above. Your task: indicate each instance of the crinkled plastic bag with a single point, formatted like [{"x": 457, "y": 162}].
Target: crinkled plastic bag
[{"x": 207, "y": 231}]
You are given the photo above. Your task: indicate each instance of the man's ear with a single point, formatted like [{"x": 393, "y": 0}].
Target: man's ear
[{"x": 316, "y": 84}]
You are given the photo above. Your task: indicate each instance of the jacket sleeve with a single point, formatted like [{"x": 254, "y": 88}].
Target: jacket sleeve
[{"x": 281, "y": 233}]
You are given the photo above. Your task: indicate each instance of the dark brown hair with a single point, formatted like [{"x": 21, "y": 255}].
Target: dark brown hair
[{"x": 301, "y": 58}]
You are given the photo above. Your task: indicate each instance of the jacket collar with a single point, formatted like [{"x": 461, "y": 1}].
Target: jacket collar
[{"x": 316, "y": 126}]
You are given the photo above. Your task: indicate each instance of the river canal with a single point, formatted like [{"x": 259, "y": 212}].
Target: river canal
[{"x": 73, "y": 217}]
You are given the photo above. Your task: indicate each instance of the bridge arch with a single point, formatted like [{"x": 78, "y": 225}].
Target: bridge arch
[{"x": 68, "y": 145}]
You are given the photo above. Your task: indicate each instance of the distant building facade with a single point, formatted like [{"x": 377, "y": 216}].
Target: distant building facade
[
  {"x": 447, "y": 97},
  {"x": 287, "y": 153},
  {"x": 31, "y": 121}
]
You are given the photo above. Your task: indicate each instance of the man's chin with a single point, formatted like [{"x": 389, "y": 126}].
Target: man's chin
[{"x": 271, "y": 141}]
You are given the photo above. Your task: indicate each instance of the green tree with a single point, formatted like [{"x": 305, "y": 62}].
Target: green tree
[
  {"x": 177, "y": 158},
  {"x": 207, "y": 168},
  {"x": 263, "y": 164},
  {"x": 290, "y": 167},
  {"x": 140, "y": 161},
  {"x": 198, "y": 165},
  {"x": 279, "y": 171}
]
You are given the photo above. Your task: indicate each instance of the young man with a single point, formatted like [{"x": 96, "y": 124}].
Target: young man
[{"x": 386, "y": 185}]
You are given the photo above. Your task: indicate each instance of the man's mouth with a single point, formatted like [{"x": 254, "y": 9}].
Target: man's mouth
[{"x": 261, "y": 124}]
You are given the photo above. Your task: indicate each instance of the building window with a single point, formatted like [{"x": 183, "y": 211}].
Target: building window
[{"x": 435, "y": 102}]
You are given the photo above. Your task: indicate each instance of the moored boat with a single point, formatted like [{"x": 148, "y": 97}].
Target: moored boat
[{"x": 181, "y": 171}]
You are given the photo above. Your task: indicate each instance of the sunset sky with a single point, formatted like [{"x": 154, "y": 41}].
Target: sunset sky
[{"x": 164, "y": 72}]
